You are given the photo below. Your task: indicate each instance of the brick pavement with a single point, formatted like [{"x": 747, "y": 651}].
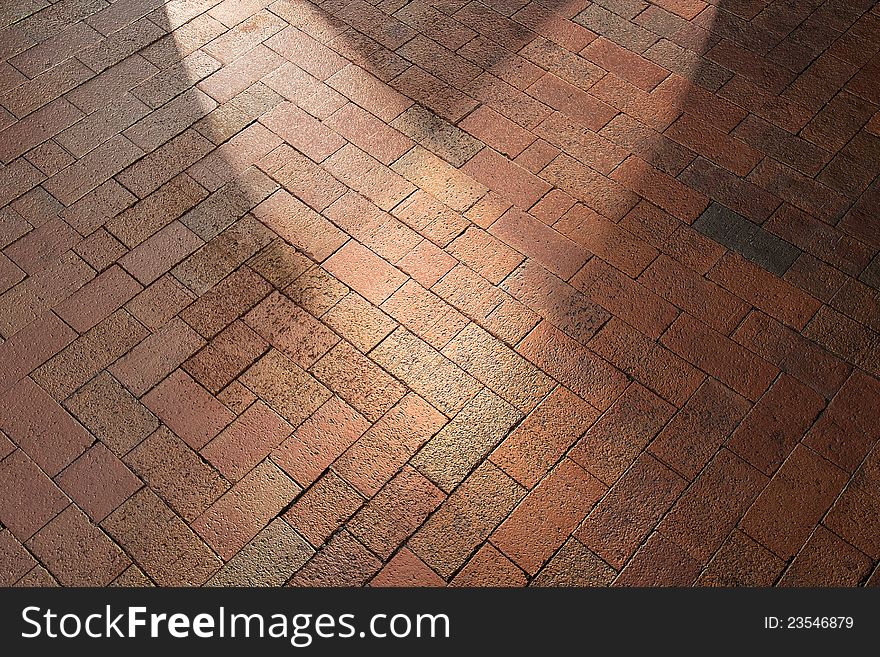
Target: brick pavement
[{"x": 439, "y": 292}]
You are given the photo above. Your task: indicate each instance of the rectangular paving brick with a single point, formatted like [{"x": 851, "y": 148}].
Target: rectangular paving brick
[
  {"x": 323, "y": 508},
  {"x": 157, "y": 356},
  {"x": 234, "y": 519},
  {"x": 31, "y": 347},
  {"x": 555, "y": 300},
  {"x": 160, "y": 542},
  {"x": 746, "y": 238},
  {"x": 89, "y": 354},
  {"x": 642, "y": 496},
  {"x": 98, "y": 298},
  {"x": 466, "y": 440},
  {"x": 395, "y": 512},
  {"x": 300, "y": 225},
  {"x": 654, "y": 366},
  {"x": 466, "y": 519},
  {"x": 719, "y": 356},
  {"x": 777, "y": 298},
  {"x": 290, "y": 329},
  {"x": 426, "y": 371},
  {"x": 41, "y": 427},
  {"x": 499, "y": 367},
  {"x": 246, "y": 441},
  {"x": 776, "y": 423},
  {"x": 290, "y": 391},
  {"x": 226, "y": 356},
  {"x": 612, "y": 444},
  {"x": 627, "y": 299},
  {"x": 360, "y": 382},
  {"x": 323, "y": 437},
  {"x": 532, "y": 237},
  {"x": 30, "y": 499},
  {"x": 547, "y": 515},
  {"x": 389, "y": 443},
  {"x": 712, "y": 505},
  {"x": 800, "y": 493},
  {"x": 591, "y": 378},
  {"x": 425, "y": 314},
  {"x": 365, "y": 272}
]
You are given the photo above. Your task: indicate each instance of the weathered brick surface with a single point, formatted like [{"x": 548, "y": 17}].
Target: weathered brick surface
[{"x": 425, "y": 293}]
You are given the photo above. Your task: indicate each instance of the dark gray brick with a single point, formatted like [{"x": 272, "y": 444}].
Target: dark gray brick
[{"x": 746, "y": 238}]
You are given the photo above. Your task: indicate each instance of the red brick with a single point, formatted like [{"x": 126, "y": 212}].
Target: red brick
[
  {"x": 606, "y": 239},
  {"x": 694, "y": 294},
  {"x": 287, "y": 327},
  {"x": 730, "y": 190},
  {"x": 710, "y": 508},
  {"x": 547, "y": 515},
  {"x": 36, "y": 128},
  {"x": 656, "y": 186},
  {"x": 554, "y": 204},
  {"x": 98, "y": 482},
  {"x": 650, "y": 363},
  {"x": 247, "y": 507},
  {"x": 369, "y": 92},
  {"x": 425, "y": 314},
  {"x": 406, "y": 569},
  {"x": 798, "y": 495},
  {"x": 802, "y": 192},
  {"x": 426, "y": 263},
  {"x": 537, "y": 156},
  {"x": 719, "y": 356},
  {"x": 389, "y": 443},
  {"x": 486, "y": 255},
  {"x": 651, "y": 109},
  {"x": 535, "y": 239},
  {"x": 359, "y": 322},
  {"x": 767, "y": 292},
  {"x": 611, "y": 445},
  {"x": 584, "y": 108},
  {"x": 302, "y": 131},
  {"x": 624, "y": 63},
  {"x": 160, "y": 542},
  {"x": 32, "y": 346},
  {"x": 500, "y": 133},
  {"x": 488, "y": 567},
  {"x": 395, "y": 512},
  {"x": 433, "y": 220},
  {"x": 223, "y": 303},
  {"x": 15, "y": 560},
  {"x": 716, "y": 145},
  {"x": 855, "y": 516},
  {"x": 776, "y": 424},
  {"x": 225, "y": 357},
  {"x": 247, "y": 441},
  {"x": 341, "y": 562},
  {"x": 41, "y": 427},
  {"x": 323, "y": 508},
  {"x": 659, "y": 562},
  {"x": 792, "y": 353},
  {"x": 558, "y": 302},
  {"x": 742, "y": 562},
  {"x": 365, "y": 272},
  {"x": 625, "y": 298},
  {"x": 444, "y": 182},
  {"x": 826, "y": 560},
  {"x": 41, "y": 248},
  {"x": 188, "y": 409},
  {"x": 158, "y": 254},
  {"x": 320, "y": 440},
  {"x": 573, "y": 365},
  {"x": 369, "y": 133},
  {"x": 77, "y": 552},
  {"x": 28, "y": 498},
  {"x": 156, "y": 356},
  {"x": 98, "y": 299},
  {"x": 300, "y": 225},
  {"x": 641, "y": 496},
  {"x": 357, "y": 380},
  {"x": 465, "y": 519},
  {"x": 846, "y": 431}
]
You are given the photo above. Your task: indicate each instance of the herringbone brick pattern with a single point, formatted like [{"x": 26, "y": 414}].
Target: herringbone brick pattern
[{"x": 439, "y": 292}]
